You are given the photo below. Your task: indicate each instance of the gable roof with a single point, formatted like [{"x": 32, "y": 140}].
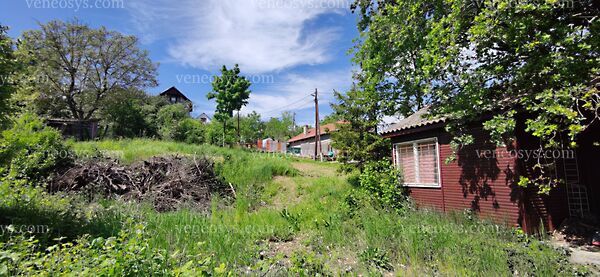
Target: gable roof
[
  {"x": 173, "y": 91},
  {"x": 204, "y": 115},
  {"x": 418, "y": 119},
  {"x": 311, "y": 133}
]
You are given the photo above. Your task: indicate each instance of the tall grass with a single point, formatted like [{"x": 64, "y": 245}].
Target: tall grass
[{"x": 311, "y": 209}]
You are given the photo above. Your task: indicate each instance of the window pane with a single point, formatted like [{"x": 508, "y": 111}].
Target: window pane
[
  {"x": 428, "y": 166},
  {"x": 406, "y": 162}
]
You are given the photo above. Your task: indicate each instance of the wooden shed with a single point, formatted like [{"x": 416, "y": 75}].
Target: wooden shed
[
  {"x": 74, "y": 128},
  {"x": 483, "y": 177}
]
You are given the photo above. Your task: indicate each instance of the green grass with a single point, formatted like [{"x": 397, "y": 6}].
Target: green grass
[{"x": 306, "y": 212}]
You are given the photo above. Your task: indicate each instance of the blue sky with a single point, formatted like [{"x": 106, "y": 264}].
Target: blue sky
[{"x": 287, "y": 47}]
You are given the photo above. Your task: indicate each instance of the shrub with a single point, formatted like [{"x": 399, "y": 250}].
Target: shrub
[
  {"x": 382, "y": 180},
  {"x": 189, "y": 131},
  {"x": 30, "y": 150}
]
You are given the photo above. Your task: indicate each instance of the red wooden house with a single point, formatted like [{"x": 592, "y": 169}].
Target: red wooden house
[{"x": 484, "y": 177}]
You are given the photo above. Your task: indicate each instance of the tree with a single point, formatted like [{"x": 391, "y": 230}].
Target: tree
[
  {"x": 252, "y": 128},
  {"x": 123, "y": 113},
  {"x": 8, "y": 66},
  {"x": 168, "y": 119},
  {"x": 78, "y": 67},
  {"x": 152, "y": 105},
  {"x": 470, "y": 58},
  {"x": 358, "y": 141},
  {"x": 280, "y": 128},
  {"x": 232, "y": 93},
  {"x": 330, "y": 118}
]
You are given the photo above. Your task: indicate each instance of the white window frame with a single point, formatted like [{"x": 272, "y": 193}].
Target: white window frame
[{"x": 415, "y": 143}]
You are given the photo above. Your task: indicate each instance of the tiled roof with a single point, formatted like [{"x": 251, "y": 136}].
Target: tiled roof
[
  {"x": 311, "y": 133},
  {"x": 418, "y": 119}
]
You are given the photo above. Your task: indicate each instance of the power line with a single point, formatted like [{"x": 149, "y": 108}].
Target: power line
[
  {"x": 288, "y": 105},
  {"x": 299, "y": 105}
]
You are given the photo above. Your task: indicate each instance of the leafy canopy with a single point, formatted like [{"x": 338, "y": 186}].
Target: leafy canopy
[
  {"x": 8, "y": 65},
  {"x": 358, "y": 141},
  {"x": 471, "y": 57},
  {"x": 231, "y": 92},
  {"x": 77, "y": 67}
]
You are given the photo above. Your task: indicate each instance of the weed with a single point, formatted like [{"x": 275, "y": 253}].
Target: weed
[
  {"x": 293, "y": 219},
  {"x": 377, "y": 258}
]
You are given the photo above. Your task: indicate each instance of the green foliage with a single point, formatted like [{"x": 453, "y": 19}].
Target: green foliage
[
  {"x": 169, "y": 118},
  {"x": 123, "y": 112},
  {"x": 469, "y": 59},
  {"x": 357, "y": 140},
  {"x": 214, "y": 132},
  {"x": 128, "y": 254},
  {"x": 293, "y": 219},
  {"x": 51, "y": 216},
  {"x": 78, "y": 67},
  {"x": 251, "y": 128},
  {"x": 231, "y": 92},
  {"x": 280, "y": 128},
  {"x": 8, "y": 65},
  {"x": 384, "y": 182},
  {"x": 30, "y": 150},
  {"x": 190, "y": 131},
  {"x": 245, "y": 233},
  {"x": 308, "y": 264},
  {"x": 377, "y": 258}
]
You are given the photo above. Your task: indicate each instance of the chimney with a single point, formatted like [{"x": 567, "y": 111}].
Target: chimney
[{"x": 305, "y": 129}]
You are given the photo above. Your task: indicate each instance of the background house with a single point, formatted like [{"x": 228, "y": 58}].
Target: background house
[
  {"x": 304, "y": 143},
  {"x": 484, "y": 177},
  {"x": 175, "y": 96},
  {"x": 204, "y": 118}
]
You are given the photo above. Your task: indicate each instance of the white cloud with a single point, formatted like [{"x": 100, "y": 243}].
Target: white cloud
[
  {"x": 259, "y": 35},
  {"x": 292, "y": 92}
]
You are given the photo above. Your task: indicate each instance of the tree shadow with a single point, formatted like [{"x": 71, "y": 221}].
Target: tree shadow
[{"x": 479, "y": 171}]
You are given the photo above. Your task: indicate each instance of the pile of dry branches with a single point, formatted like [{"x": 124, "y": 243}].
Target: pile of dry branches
[{"x": 168, "y": 182}]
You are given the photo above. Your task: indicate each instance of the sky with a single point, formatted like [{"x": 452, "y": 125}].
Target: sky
[{"x": 286, "y": 48}]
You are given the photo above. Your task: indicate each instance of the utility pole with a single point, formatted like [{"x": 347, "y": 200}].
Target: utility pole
[
  {"x": 317, "y": 128},
  {"x": 294, "y": 121}
]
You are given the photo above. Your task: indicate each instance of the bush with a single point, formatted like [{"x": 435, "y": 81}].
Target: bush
[
  {"x": 30, "y": 150},
  {"x": 383, "y": 181},
  {"x": 189, "y": 131}
]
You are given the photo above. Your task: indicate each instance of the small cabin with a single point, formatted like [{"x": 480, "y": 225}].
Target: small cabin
[{"x": 484, "y": 177}]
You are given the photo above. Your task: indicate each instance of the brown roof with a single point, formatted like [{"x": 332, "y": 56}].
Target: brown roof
[
  {"x": 418, "y": 119},
  {"x": 311, "y": 133},
  {"x": 175, "y": 92}
]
